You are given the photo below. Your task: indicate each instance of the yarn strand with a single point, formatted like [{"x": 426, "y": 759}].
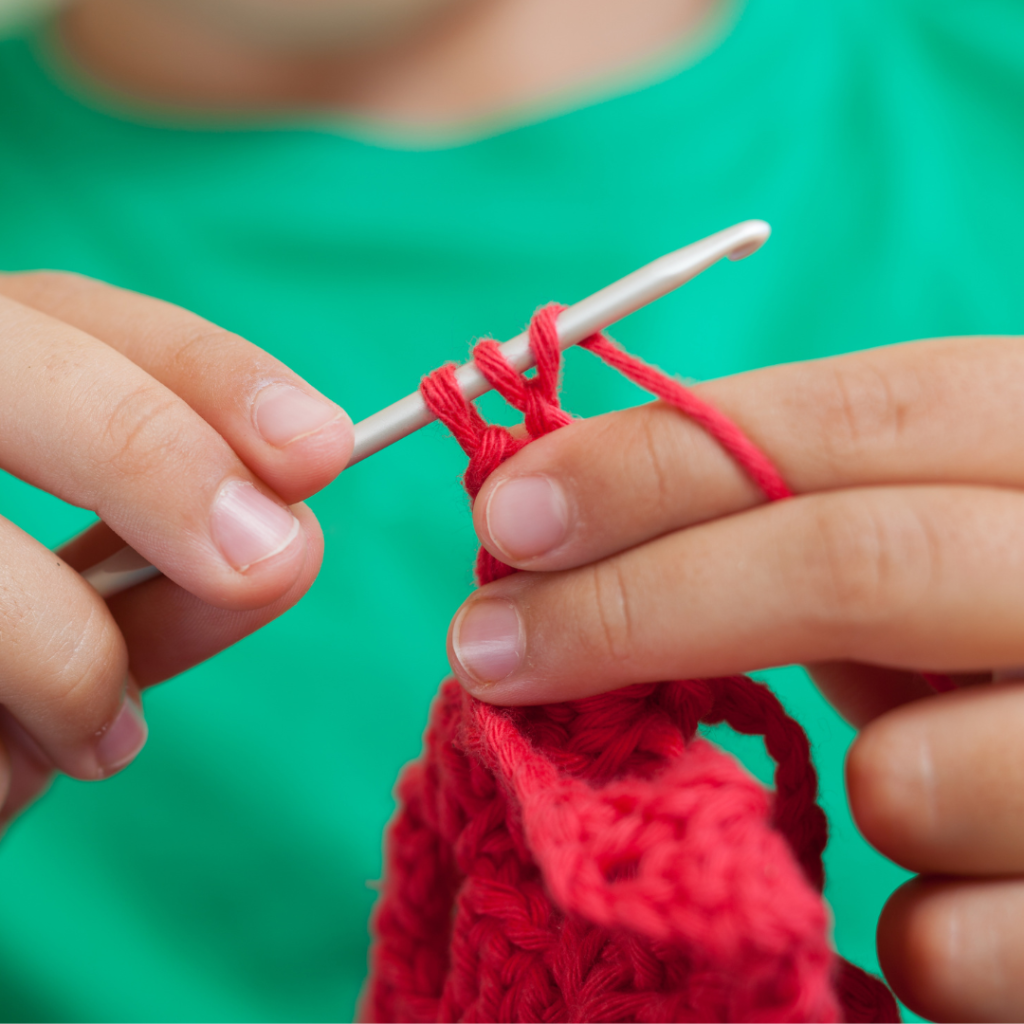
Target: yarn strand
[{"x": 595, "y": 860}]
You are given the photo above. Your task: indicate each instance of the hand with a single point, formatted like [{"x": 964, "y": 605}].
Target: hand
[
  {"x": 194, "y": 447},
  {"x": 651, "y": 556}
]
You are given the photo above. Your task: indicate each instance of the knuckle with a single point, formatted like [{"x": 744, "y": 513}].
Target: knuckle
[
  {"x": 640, "y": 448},
  {"x": 859, "y": 407},
  {"x": 201, "y": 343},
  {"x": 142, "y": 432},
  {"x": 866, "y": 562},
  {"x": 610, "y": 601},
  {"x": 649, "y": 449}
]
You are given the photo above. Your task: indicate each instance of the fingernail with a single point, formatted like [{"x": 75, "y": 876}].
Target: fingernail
[
  {"x": 122, "y": 739},
  {"x": 248, "y": 527},
  {"x": 527, "y": 516},
  {"x": 487, "y": 639},
  {"x": 284, "y": 414}
]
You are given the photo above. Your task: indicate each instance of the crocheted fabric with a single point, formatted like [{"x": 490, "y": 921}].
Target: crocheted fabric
[{"x": 595, "y": 860}]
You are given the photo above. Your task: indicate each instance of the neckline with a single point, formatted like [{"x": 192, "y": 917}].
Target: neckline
[{"x": 717, "y": 43}]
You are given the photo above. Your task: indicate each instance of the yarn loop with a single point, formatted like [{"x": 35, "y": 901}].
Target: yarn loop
[{"x": 595, "y": 860}]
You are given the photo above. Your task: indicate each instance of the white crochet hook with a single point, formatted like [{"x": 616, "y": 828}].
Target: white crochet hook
[{"x": 126, "y": 568}]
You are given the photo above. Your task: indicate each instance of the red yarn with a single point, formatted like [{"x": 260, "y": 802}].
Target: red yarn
[{"x": 594, "y": 860}]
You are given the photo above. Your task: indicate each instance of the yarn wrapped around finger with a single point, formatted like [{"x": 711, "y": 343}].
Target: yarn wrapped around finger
[{"x": 596, "y": 860}]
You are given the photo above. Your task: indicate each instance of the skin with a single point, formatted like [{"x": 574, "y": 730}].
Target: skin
[
  {"x": 166, "y": 421},
  {"x": 150, "y": 396},
  {"x": 901, "y": 553},
  {"x": 406, "y": 64}
]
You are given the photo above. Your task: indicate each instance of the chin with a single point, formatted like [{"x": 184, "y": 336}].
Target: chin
[{"x": 316, "y": 24}]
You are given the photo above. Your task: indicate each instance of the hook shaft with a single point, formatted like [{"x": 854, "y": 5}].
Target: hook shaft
[
  {"x": 578, "y": 322},
  {"x": 126, "y": 568}
]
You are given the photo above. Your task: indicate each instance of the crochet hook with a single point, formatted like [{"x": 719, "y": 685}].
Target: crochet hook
[{"x": 126, "y": 568}]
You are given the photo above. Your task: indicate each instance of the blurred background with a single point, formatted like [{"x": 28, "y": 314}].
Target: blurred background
[{"x": 229, "y": 873}]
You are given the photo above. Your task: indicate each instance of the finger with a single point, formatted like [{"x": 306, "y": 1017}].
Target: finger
[
  {"x": 168, "y": 630},
  {"x": 915, "y": 577},
  {"x": 84, "y": 423},
  {"x": 30, "y": 771},
  {"x": 927, "y": 412},
  {"x": 954, "y": 950},
  {"x": 861, "y": 693},
  {"x": 291, "y": 436},
  {"x": 63, "y": 663},
  {"x": 938, "y": 785}
]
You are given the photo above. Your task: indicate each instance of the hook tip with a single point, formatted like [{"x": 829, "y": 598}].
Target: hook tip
[{"x": 756, "y": 234}]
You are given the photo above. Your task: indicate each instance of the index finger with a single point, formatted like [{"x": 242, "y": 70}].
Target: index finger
[
  {"x": 81, "y": 421},
  {"x": 943, "y": 411},
  {"x": 285, "y": 431}
]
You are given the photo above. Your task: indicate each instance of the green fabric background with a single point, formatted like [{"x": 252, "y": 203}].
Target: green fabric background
[{"x": 224, "y": 876}]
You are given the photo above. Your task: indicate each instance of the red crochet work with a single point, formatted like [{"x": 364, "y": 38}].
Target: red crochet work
[{"x": 594, "y": 860}]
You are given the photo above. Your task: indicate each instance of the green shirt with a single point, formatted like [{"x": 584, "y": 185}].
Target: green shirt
[{"x": 227, "y": 875}]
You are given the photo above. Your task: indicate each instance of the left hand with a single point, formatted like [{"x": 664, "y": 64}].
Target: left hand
[{"x": 651, "y": 556}]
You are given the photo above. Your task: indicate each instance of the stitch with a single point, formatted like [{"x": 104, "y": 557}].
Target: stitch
[{"x": 595, "y": 860}]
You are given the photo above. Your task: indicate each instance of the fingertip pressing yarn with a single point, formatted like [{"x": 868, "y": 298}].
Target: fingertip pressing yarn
[{"x": 595, "y": 860}]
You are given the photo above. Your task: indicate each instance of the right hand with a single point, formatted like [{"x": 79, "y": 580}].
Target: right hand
[{"x": 190, "y": 444}]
